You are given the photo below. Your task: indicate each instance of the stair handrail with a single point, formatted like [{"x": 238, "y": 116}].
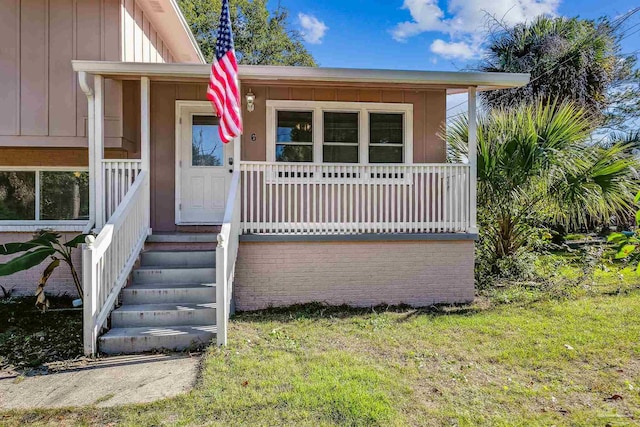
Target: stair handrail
[
  {"x": 226, "y": 256},
  {"x": 107, "y": 259}
]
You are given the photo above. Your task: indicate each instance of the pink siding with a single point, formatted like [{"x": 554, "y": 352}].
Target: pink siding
[
  {"x": 42, "y": 104},
  {"x": 141, "y": 41}
]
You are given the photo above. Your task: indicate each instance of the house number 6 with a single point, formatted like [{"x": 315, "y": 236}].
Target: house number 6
[{"x": 253, "y": 136}]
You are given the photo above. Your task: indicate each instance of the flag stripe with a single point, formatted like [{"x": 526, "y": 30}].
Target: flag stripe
[{"x": 223, "y": 90}]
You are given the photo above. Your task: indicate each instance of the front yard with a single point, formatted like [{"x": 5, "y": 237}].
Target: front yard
[{"x": 554, "y": 361}]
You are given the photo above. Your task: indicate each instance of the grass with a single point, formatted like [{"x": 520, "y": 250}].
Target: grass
[
  {"x": 29, "y": 338},
  {"x": 544, "y": 357}
]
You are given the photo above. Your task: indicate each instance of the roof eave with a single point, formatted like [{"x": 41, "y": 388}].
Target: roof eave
[{"x": 486, "y": 81}]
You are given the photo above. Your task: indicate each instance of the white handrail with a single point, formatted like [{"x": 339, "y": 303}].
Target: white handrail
[
  {"x": 226, "y": 255},
  {"x": 107, "y": 260},
  {"x": 338, "y": 198}
]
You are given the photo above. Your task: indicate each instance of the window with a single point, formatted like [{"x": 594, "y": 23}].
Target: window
[
  {"x": 340, "y": 144},
  {"x": 206, "y": 146},
  {"x": 294, "y": 136},
  {"x": 386, "y": 139},
  {"x": 44, "y": 195},
  {"x": 339, "y": 132}
]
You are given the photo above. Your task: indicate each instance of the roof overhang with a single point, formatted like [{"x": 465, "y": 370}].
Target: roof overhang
[
  {"x": 454, "y": 81},
  {"x": 168, "y": 20}
]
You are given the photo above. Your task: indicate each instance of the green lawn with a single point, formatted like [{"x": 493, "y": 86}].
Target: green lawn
[{"x": 561, "y": 361}]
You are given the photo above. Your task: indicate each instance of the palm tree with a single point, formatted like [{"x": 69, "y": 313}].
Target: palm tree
[
  {"x": 568, "y": 59},
  {"x": 534, "y": 167}
]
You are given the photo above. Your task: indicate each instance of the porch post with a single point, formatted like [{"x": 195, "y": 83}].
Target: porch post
[
  {"x": 145, "y": 139},
  {"x": 473, "y": 162},
  {"x": 98, "y": 154}
]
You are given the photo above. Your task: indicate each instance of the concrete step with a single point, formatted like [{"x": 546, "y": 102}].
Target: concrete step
[
  {"x": 137, "y": 340},
  {"x": 137, "y": 315},
  {"x": 182, "y": 258},
  {"x": 183, "y": 238},
  {"x": 151, "y": 274},
  {"x": 158, "y": 293}
]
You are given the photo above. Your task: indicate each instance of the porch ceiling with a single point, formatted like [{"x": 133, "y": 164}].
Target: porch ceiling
[{"x": 454, "y": 81}]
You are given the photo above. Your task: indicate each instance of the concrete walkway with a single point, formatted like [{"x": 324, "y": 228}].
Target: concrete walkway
[{"x": 104, "y": 382}]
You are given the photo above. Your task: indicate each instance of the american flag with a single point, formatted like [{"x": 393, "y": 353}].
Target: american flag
[{"x": 223, "y": 83}]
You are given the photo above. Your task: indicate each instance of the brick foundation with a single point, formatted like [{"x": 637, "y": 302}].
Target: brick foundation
[
  {"x": 418, "y": 273},
  {"x": 25, "y": 282}
]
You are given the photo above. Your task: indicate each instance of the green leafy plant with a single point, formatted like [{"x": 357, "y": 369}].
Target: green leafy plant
[
  {"x": 627, "y": 243},
  {"x": 535, "y": 168},
  {"x": 46, "y": 244}
]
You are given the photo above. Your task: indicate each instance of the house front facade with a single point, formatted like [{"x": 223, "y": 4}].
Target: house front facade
[{"x": 338, "y": 191}]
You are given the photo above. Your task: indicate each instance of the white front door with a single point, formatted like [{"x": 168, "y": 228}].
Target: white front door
[{"x": 205, "y": 164}]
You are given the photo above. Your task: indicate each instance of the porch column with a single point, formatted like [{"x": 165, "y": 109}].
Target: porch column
[
  {"x": 145, "y": 124},
  {"x": 473, "y": 162},
  {"x": 98, "y": 149},
  {"x": 145, "y": 141}
]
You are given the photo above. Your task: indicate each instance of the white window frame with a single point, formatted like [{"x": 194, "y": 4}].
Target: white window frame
[
  {"x": 363, "y": 108},
  {"x": 36, "y": 224}
]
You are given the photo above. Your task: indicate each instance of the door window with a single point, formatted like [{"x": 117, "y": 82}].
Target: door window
[{"x": 207, "y": 148}]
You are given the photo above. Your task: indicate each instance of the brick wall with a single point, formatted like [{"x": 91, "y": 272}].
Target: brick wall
[
  {"x": 418, "y": 273},
  {"x": 25, "y": 282}
]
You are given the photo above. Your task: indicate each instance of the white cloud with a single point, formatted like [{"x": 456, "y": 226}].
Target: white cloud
[
  {"x": 427, "y": 16},
  {"x": 312, "y": 28},
  {"x": 453, "y": 50},
  {"x": 465, "y": 21}
]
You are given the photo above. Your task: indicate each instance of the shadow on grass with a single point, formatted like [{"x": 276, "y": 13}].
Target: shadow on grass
[{"x": 317, "y": 310}]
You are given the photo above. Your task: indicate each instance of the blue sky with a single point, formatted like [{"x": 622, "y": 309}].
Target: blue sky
[
  {"x": 427, "y": 34},
  {"x": 424, "y": 34}
]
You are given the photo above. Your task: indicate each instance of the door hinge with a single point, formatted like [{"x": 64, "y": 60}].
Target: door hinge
[
  {"x": 180, "y": 120},
  {"x": 179, "y": 206},
  {"x": 179, "y": 163}
]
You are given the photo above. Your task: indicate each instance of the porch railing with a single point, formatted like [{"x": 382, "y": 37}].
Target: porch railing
[
  {"x": 344, "y": 199},
  {"x": 226, "y": 255},
  {"x": 107, "y": 260},
  {"x": 118, "y": 177}
]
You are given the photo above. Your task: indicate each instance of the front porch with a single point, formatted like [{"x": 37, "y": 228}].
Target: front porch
[{"x": 277, "y": 186}]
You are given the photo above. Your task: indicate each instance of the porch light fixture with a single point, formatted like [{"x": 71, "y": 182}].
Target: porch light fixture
[{"x": 251, "y": 98}]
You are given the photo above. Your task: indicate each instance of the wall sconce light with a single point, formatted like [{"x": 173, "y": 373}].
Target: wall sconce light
[{"x": 251, "y": 98}]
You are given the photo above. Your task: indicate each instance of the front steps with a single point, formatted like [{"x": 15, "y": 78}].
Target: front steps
[{"x": 170, "y": 303}]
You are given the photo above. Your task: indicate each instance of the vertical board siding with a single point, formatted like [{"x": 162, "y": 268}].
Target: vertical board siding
[
  {"x": 141, "y": 41},
  {"x": 10, "y": 67},
  {"x": 40, "y": 38},
  {"x": 62, "y": 79},
  {"x": 163, "y": 97},
  {"x": 34, "y": 68}
]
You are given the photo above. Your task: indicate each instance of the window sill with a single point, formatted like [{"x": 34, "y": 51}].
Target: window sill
[{"x": 31, "y": 226}]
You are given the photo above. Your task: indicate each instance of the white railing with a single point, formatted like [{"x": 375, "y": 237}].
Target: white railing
[
  {"x": 107, "y": 260},
  {"x": 309, "y": 198},
  {"x": 226, "y": 255},
  {"x": 118, "y": 176}
]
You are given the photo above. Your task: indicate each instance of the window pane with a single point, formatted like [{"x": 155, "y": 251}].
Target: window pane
[
  {"x": 17, "y": 195},
  {"x": 340, "y": 154},
  {"x": 294, "y": 126},
  {"x": 294, "y": 153},
  {"x": 385, "y": 128},
  {"x": 340, "y": 127},
  {"x": 206, "y": 147},
  {"x": 382, "y": 154},
  {"x": 64, "y": 195}
]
